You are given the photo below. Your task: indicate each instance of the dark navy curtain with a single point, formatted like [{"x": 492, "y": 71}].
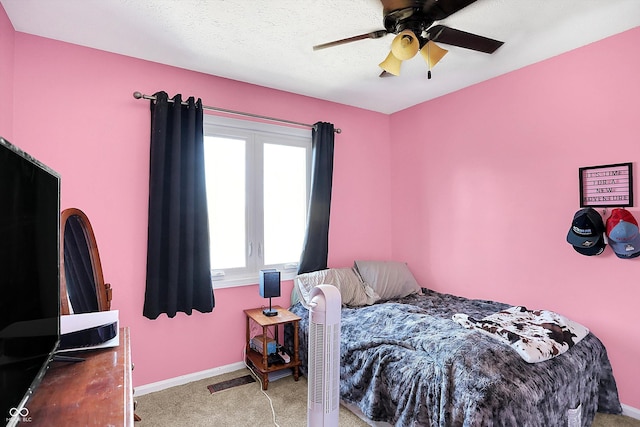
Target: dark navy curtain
[
  {"x": 316, "y": 242},
  {"x": 178, "y": 265}
]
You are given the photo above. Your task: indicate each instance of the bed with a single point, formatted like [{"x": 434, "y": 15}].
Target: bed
[{"x": 405, "y": 361}]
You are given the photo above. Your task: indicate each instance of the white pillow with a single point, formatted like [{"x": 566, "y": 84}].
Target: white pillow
[
  {"x": 389, "y": 279},
  {"x": 352, "y": 290}
]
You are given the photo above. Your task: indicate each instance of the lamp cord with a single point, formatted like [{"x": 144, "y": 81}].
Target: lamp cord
[{"x": 273, "y": 411}]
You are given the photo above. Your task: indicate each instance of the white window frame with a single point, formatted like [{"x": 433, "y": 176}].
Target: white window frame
[{"x": 256, "y": 133}]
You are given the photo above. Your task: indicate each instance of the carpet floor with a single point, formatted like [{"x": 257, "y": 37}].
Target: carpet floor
[{"x": 245, "y": 405}]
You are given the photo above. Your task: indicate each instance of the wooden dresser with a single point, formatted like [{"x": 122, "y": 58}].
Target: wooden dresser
[{"x": 95, "y": 392}]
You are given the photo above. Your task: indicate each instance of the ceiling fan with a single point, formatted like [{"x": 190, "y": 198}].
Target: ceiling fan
[{"x": 412, "y": 22}]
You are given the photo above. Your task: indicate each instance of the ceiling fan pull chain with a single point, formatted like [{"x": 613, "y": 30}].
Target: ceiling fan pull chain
[{"x": 428, "y": 61}]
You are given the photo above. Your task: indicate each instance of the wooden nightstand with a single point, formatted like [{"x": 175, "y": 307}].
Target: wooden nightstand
[{"x": 257, "y": 361}]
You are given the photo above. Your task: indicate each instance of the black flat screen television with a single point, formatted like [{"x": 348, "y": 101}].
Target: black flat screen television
[{"x": 29, "y": 277}]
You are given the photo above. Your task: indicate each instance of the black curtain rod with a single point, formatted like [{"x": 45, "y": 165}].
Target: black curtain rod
[{"x": 138, "y": 95}]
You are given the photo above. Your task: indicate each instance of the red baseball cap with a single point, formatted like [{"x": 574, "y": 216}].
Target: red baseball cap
[
  {"x": 623, "y": 233},
  {"x": 618, "y": 215}
]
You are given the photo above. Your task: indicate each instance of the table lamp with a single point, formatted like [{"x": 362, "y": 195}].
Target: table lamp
[{"x": 269, "y": 287}]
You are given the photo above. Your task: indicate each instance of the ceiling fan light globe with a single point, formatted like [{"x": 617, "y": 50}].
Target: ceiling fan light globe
[
  {"x": 405, "y": 45},
  {"x": 391, "y": 64},
  {"x": 432, "y": 53}
]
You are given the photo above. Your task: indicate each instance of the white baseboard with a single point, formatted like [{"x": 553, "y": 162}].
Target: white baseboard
[
  {"x": 184, "y": 379},
  {"x": 630, "y": 411}
]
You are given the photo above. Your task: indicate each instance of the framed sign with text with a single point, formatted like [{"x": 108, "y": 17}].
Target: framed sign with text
[{"x": 606, "y": 186}]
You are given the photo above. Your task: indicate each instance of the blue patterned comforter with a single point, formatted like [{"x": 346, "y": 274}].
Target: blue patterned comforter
[{"x": 408, "y": 363}]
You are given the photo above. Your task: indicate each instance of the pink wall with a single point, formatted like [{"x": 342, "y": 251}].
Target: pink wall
[
  {"x": 74, "y": 110},
  {"x": 484, "y": 197},
  {"x": 478, "y": 206},
  {"x": 6, "y": 75}
]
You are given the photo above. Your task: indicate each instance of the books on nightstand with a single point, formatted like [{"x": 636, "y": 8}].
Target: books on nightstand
[{"x": 256, "y": 344}]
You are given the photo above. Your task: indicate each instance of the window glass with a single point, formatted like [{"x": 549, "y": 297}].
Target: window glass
[
  {"x": 285, "y": 202},
  {"x": 225, "y": 175}
]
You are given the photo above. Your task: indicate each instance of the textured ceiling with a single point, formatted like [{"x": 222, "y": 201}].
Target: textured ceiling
[{"x": 269, "y": 43}]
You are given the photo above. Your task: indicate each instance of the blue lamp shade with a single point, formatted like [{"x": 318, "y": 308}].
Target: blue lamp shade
[{"x": 269, "y": 286}]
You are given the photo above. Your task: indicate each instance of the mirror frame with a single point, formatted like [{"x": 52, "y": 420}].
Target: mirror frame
[{"x": 103, "y": 290}]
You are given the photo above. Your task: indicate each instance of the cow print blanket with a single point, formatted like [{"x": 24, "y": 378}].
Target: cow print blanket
[
  {"x": 537, "y": 335},
  {"x": 406, "y": 362}
]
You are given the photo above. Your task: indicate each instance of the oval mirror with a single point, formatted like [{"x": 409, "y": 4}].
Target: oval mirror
[{"x": 82, "y": 287}]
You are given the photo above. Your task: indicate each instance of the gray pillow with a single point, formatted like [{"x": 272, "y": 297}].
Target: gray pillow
[
  {"x": 352, "y": 290},
  {"x": 389, "y": 279}
]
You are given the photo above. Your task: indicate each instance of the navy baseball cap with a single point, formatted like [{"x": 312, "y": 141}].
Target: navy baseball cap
[{"x": 586, "y": 234}]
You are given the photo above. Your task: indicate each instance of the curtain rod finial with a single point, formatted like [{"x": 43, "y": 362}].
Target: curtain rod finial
[{"x": 137, "y": 95}]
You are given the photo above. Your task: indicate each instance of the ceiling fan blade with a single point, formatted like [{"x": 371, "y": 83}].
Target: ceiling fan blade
[
  {"x": 441, "y": 9},
  {"x": 372, "y": 35},
  {"x": 391, "y": 5},
  {"x": 446, "y": 35},
  {"x": 433, "y": 9}
]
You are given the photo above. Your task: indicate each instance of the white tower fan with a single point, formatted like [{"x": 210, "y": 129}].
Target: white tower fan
[{"x": 324, "y": 357}]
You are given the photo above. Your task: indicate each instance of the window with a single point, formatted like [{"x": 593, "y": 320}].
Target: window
[{"x": 258, "y": 180}]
